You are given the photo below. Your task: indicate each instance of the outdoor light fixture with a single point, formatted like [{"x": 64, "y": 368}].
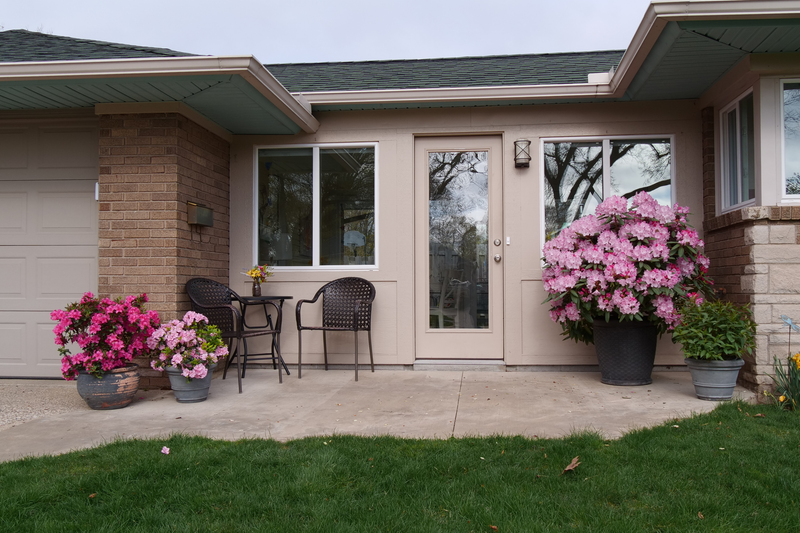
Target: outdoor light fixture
[
  {"x": 199, "y": 214},
  {"x": 522, "y": 153}
]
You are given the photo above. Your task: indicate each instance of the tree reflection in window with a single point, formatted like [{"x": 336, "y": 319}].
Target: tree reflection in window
[
  {"x": 459, "y": 226},
  {"x": 576, "y": 180},
  {"x": 791, "y": 136}
]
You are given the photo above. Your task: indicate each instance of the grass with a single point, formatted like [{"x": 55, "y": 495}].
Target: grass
[{"x": 724, "y": 471}]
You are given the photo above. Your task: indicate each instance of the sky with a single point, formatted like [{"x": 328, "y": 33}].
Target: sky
[{"x": 310, "y": 31}]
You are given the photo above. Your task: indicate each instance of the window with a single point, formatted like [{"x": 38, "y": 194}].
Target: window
[
  {"x": 738, "y": 153},
  {"x": 791, "y": 138},
  {"x": 579, "y": 174},
  {"x": 316, "y": 206}
]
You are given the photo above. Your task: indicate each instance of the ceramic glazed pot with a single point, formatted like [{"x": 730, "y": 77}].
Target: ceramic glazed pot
[
  {"x": 625, "y": 351},
  {"x": 192, "y": 391},
  {"x": 113, "y": 390},
  {"x": 714, "y": 380}
]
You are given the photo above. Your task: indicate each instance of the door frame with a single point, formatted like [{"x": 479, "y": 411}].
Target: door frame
[{"x": 450, "y": 343}]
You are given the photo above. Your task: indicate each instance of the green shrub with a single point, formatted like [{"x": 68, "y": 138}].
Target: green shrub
[{"x": 715, "y": 330}]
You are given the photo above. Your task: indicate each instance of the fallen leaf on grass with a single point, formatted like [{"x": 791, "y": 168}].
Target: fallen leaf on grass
[
  {"x": 494, "y": 528},
  {"x": 760, "y": 415},
  {"x": 572, "y": 466},
  {"x": 93, "y": 495},
  {"x": 700, "y": 515}
]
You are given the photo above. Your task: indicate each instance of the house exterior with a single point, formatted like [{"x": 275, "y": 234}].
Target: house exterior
[{"x": 406, "y": 173}]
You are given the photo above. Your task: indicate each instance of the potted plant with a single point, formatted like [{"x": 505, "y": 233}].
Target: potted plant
[
  {"x": 259, "y": 275},
  {"x": 714, "y": 335},
  {"x": 109, "y": 333},
  {"x": 621, "y": 275},
  {"x": 188, "y": 350}
]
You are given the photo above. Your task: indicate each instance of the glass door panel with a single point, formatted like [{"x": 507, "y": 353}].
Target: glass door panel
[
  {"x": 458, "y": 247},
  {"x": 458, "y": 225}
]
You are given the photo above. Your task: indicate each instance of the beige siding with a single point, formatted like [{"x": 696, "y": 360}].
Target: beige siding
[{"x": 530, "y": 337}]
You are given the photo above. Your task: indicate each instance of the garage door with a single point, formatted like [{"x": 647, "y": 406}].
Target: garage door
[{"x": 48, "y": 238}]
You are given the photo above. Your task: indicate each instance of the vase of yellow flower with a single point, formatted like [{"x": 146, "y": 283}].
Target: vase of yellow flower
[{"x": 259, "y": 274}]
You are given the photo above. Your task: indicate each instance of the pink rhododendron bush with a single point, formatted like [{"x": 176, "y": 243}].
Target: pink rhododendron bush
[
  {"x": 190, "y": 345},
  {"x": 638, "y": 263},
  {"x": 109, "y": 333}
]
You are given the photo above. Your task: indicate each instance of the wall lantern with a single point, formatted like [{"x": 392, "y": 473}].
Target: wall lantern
[
  {"x": 199, "y": 214},
  {"x": 522, "y": 153}
]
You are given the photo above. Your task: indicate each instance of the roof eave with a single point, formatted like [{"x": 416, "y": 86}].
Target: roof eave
[
  {"x": 659, "y": 13},
  {"x": 248, "y": 67}
]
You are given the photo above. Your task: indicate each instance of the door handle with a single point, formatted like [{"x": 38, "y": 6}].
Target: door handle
[{"x": 497, "y": 258}]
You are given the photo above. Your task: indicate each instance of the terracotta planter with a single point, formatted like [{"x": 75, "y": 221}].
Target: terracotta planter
[
  {"x": 114, "y": 390},
  {"x": 625, "y": 351}
]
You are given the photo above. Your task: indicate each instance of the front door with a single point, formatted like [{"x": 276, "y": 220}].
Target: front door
[{"x": 458, "y": 248}]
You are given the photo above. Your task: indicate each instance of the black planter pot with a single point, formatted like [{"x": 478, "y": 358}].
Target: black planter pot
[{"x": 625, "y": 351}]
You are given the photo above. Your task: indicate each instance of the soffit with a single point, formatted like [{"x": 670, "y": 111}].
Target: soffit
[
  {"x": 689, "y": 57},
  {"x": 228, "y": 100}
]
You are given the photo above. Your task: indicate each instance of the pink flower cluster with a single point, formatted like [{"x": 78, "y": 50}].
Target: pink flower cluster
[
  {"x": 626, "y": 263},
  {"x": 109, "y": 333},
  {"x": 191, "y": 345}
]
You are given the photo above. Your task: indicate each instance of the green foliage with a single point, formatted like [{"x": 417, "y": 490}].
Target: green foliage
[
  {"x": 715, "y": 329},
  {"x": 729, "y": 470},
  {"x": 787, "y": 384}
]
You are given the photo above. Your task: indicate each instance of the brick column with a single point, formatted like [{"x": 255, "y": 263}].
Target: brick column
[{"x": 150, "y": 166}]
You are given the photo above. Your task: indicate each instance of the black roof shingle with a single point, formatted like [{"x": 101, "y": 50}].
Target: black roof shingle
[
  {"x": 487, "y": 71},
  {"x": 27, "y": 46},
  {"x": 459, "y": 72}
]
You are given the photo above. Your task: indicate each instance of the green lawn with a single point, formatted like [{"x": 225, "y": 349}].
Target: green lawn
[{"x": 724, "y": 471}]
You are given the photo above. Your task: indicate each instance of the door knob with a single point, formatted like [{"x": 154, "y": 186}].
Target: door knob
[{"x": 497, "y": 258}]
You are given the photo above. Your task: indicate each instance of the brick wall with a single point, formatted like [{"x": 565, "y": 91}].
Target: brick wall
[
  {"x": 150, "y": 166},
  {"x": 755, "y": 258}
]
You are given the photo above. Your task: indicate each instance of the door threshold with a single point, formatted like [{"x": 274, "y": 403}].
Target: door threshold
[{"x": 475, "y": 365}]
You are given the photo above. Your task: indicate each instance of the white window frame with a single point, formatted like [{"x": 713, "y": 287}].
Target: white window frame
[
  {"x": 723, "y": 186},
  {"x": 315, "y": 217},
  {"x": 789, "y": 198},
  {"x": 606, "y": 140}
]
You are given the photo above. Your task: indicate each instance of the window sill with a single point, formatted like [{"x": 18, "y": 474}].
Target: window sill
[{"x": 751, "y": 214}]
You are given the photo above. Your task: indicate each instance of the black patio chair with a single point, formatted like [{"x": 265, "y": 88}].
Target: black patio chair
[
  {"x": 215, "y": 301},
  {"x": 346, "y": 306}
]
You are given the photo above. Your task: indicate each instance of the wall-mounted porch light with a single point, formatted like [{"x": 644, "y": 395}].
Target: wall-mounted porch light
[
  {"x": 199, "y": 214},
  {"x": 522, "y": 153}
]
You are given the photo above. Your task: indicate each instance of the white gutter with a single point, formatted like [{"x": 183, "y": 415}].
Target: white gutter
[
  {"x": 466, "y": 94},
  {"x": 656, "y": 17},
  {"x": 247, "y": 67}
]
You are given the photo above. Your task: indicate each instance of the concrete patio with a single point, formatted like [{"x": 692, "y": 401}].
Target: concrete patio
[{"x": 415, "y": 404}]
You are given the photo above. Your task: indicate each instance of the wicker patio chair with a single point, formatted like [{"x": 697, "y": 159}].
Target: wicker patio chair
[
  {"x": 215, "y": 301},
  {"x": 346, "y": 306}
]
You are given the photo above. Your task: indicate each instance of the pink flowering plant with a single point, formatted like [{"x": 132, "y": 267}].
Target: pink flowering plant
[
  {"x": 109, "y": 333},
  {"x": 639, "y": 263},
  {"x": 191, "y": 345}
]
